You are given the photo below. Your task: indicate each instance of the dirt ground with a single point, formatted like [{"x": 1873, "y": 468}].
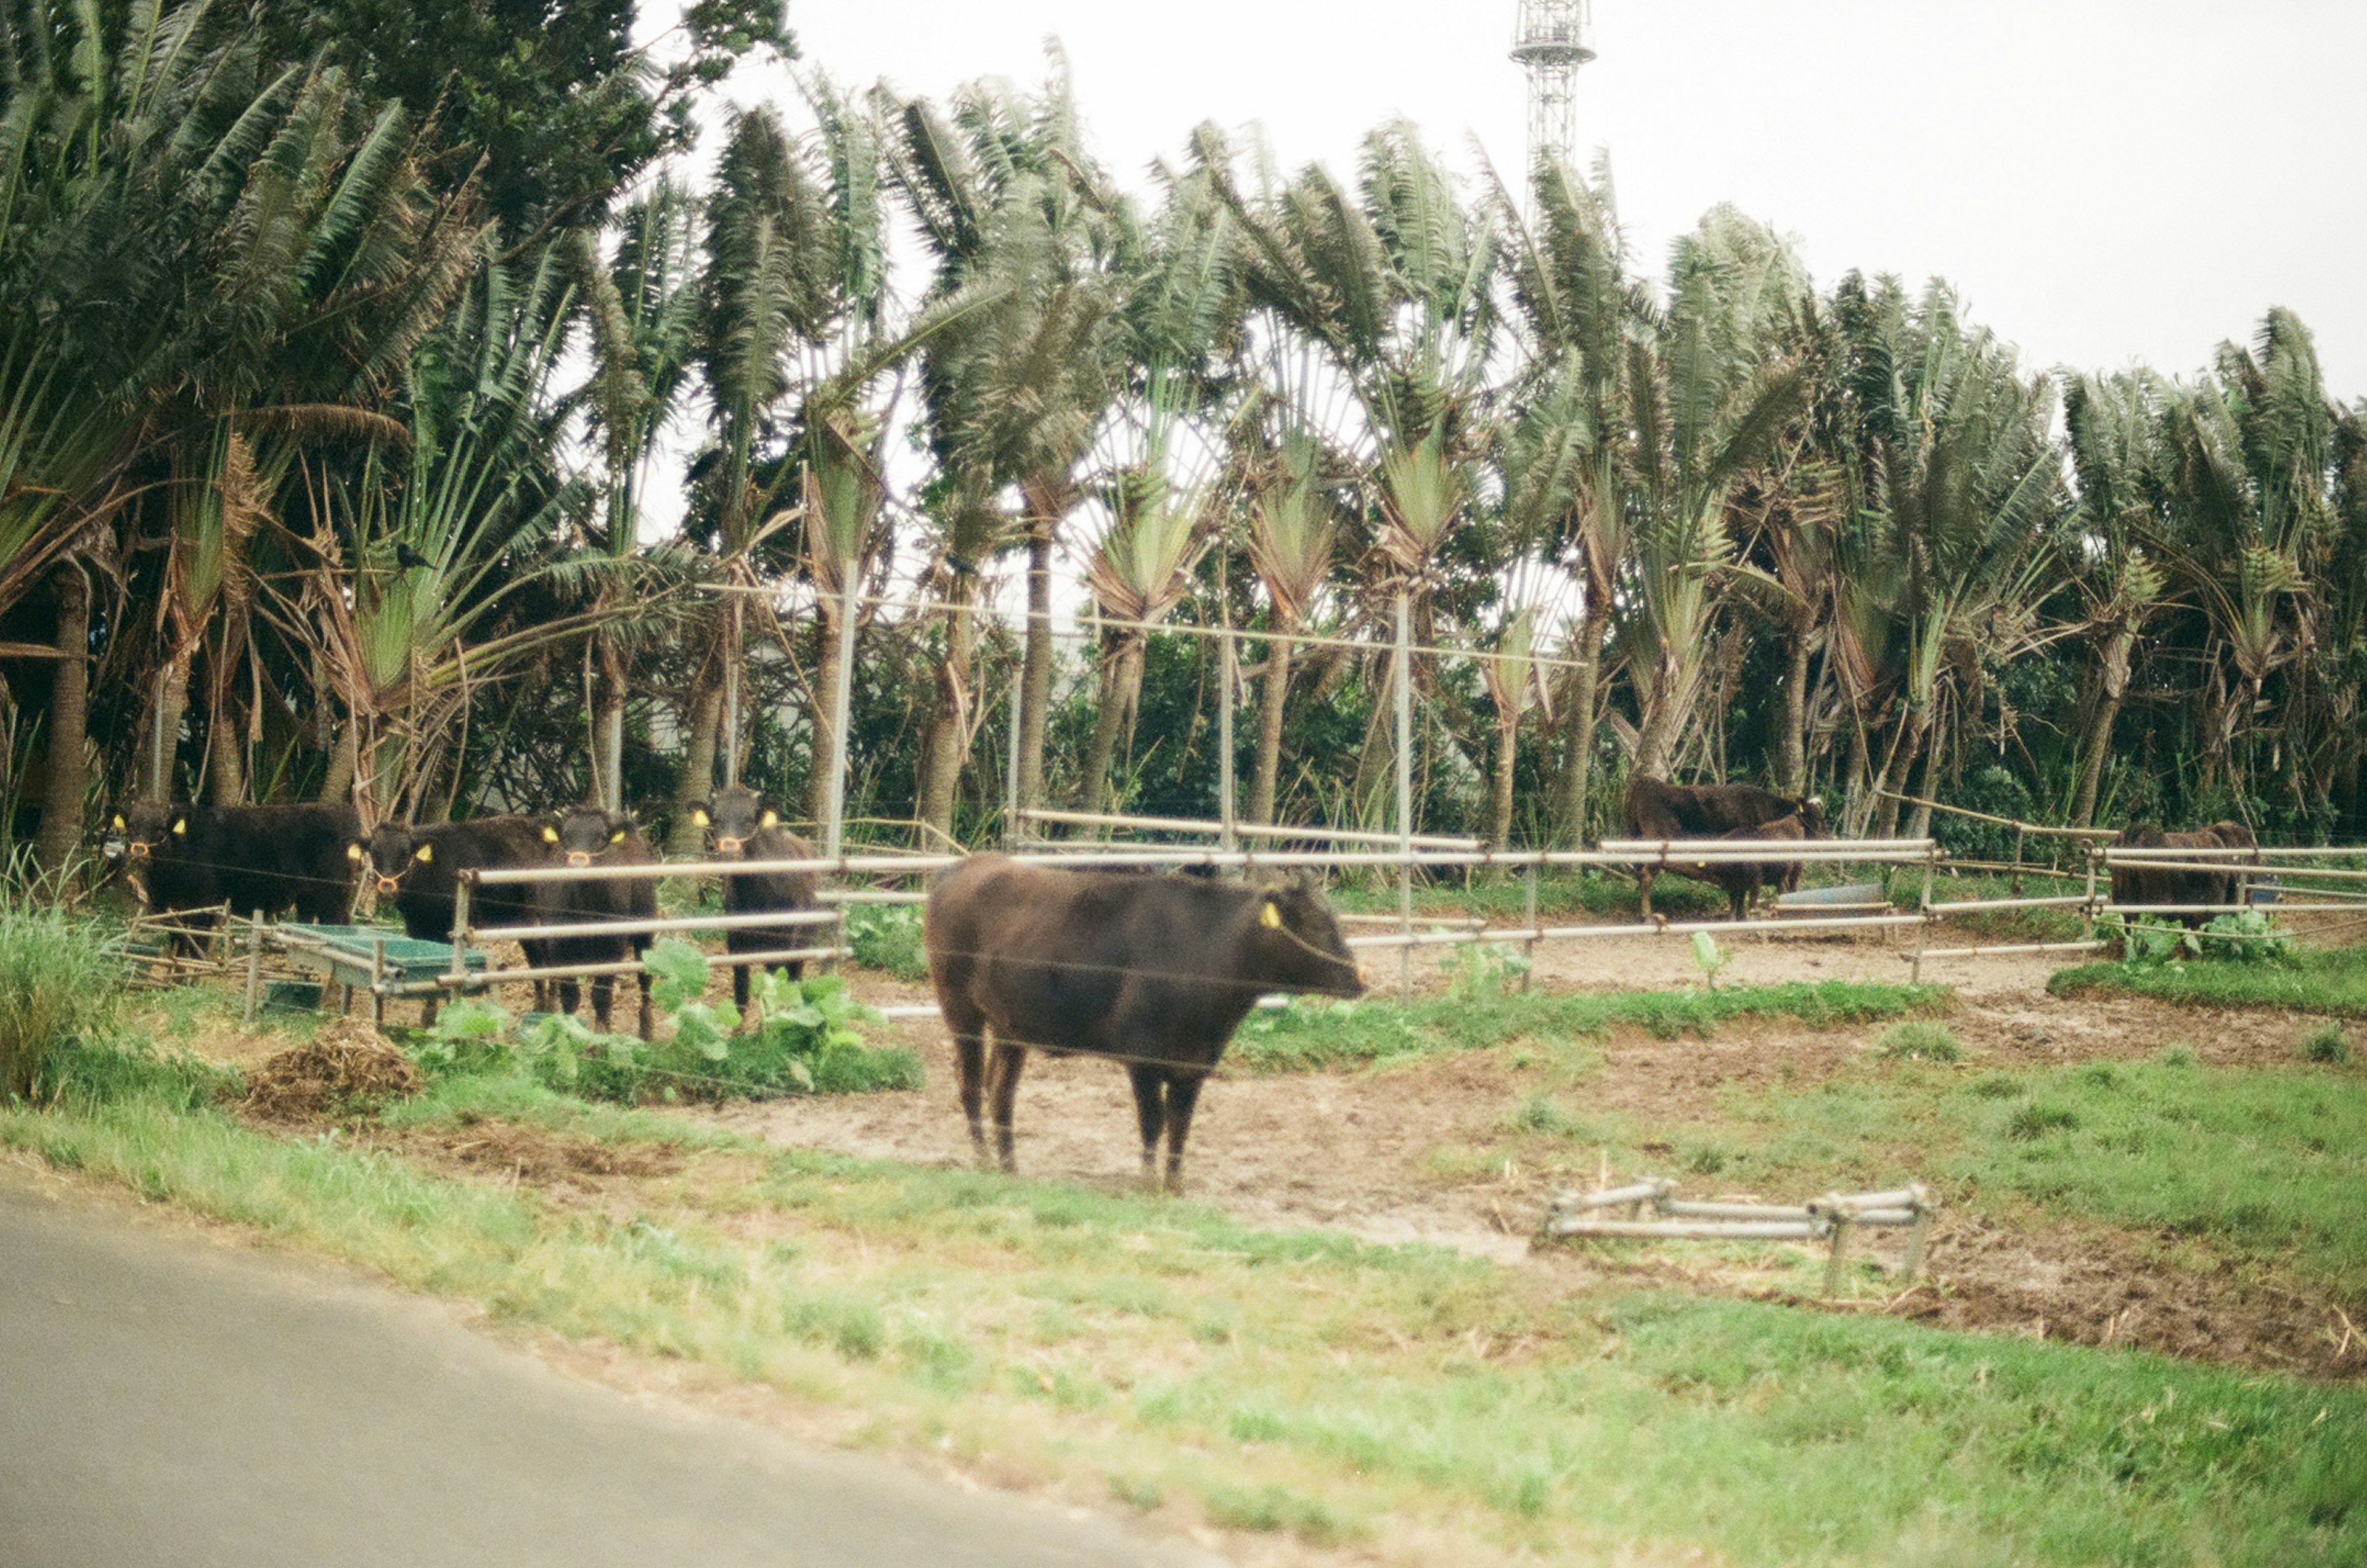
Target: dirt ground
[{"x": 1355, "y": 1151}]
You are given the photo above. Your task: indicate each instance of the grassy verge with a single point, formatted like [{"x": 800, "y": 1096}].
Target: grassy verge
[
  {"x": 1311, "y": 1034},
  {"x": 2332, "y": 981},
  {"x": 1305, "y": 1383},
  {"x": 2265, "y": 1165}
]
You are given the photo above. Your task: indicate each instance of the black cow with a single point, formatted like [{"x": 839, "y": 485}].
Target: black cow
[
  {"x": 587, "y": 836},
  {"x": 2218, "y": 884},
  {"x": 1658, "y": 809},
  {"x": 741, "y": 826},
  {"x": 194, "y": 859},
  {"x": 419, "y": 868},
  {"x": 1156, "y": 972},
  {"x": 1741, "y": 880}
]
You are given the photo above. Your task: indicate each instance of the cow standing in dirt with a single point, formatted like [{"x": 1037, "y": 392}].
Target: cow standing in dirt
[
  {"x": 740, "y": 826},
  {"x": 2220, "y": 882},
  {"x": 1155, "y": 972},
  {"x": 1659, "y": 810},
  {"x": 419, "y": 869},
  {"x": 1742, "y": 880},
  {"x": 257, "y": 858},
  {"x": 590, "y": 836}
]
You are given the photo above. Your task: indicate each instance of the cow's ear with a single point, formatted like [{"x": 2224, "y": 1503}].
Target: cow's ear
[
  {"x": 425, "y": 855},
  {"x": 699, "y": 816},
  {"x": 1270, "y": 913},
  {"x": 550, "y": 834},
  {"x": 181, "y": 827},
  {"x": 770, "y": 819}
]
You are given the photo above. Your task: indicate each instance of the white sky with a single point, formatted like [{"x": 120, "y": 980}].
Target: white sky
[{"x": 2104, "y": 180}]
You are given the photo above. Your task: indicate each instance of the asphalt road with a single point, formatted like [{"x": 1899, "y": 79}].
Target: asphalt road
[{"x": 166, "y": 1400}]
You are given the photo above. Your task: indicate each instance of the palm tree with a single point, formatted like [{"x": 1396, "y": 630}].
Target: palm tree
[
  {"x": 1294, "y": 526},
  {"x": 2112, "y": 425}
]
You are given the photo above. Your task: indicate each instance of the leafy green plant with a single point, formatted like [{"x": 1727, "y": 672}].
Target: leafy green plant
[
  {"x": 1709, "y": 957},
  {"x": 1918, "y": 1040},
  {"x": 1477, "y": 972},
  {"x": 886, "y": 937},
  {"x": 2247, "y": 937},
  {"x": 2329, "y": 1044}
]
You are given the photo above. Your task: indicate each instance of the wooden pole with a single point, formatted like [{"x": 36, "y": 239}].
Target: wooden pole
[
  {"x": 842, "y": 709},
  {"x": 1227, "y": 674},
  {"x": 1401, "y": 669},
  {"x": 1012, "y": 826},
  {"x": 253, "y": 964},
  {"x": 734, "y": 656}
]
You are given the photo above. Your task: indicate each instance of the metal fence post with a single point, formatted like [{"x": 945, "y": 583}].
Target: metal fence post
[
  {"x": 1923, "y": 927},
  {"x": 253, "y": 963},
  {"x": 1529, "y": 907},
  {"x": 2020, "y": 833},
  {"x": 1401, "y": 669},
  {"x": 1228, "y": 672},
  {"x": 460, "y": 887},
  {"x": 1010, "y": 764},
  {"x": 2087, "y": 909}
]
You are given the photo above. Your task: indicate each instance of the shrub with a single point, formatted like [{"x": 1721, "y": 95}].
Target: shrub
[
  {"x": 2329, "y": 1044},
  {"x": 1477, "y": 972},
  {"x": 888, "y": 937},
  {"x": 59, "y": 977},
  {"x": 1918, "y": 1040},
  {"x": 2036, "y": 1121}
]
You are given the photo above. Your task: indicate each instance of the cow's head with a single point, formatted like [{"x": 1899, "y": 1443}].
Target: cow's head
[
  {"x": 1296, "y": 945},
  {"x": 1811, "y": 813},
  {"x": 583, "y": 833},
  {"x": 735, "y": 816},
  {"x": 393, "y": 852},
  {"x": 150, "y": 827}
]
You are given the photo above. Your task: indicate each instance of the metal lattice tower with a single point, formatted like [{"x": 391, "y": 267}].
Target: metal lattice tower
[{"x": 1550, "y": 41}]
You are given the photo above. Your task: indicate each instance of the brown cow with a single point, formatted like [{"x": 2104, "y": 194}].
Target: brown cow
[
  {"x": 1658, "y": 809},
  {"x": 743, "y": 826},
  {"x": 1742, "y": 880},
  {"x": 1156, "y": 972},
  {"x": 586, "y": 836},
  {"x": 2203, "y": 884}
]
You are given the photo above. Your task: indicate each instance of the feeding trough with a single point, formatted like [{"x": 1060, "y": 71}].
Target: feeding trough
[
  {"x": 1830, "y": 900},
  {"x": 1655, "y": 1212},
  {"x": 371, "y": 958}
]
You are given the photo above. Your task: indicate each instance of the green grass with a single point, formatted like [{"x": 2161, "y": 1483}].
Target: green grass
[
  {"x": 2308, "y": 980},
  {"x": 1309, "y": 1385},
  {"x": 1314, "y": 1034},
  {"x": 2266, "y": 1165},
  {"x": 1918, "y": 1040},
  {"x": 60, "y": 979}
]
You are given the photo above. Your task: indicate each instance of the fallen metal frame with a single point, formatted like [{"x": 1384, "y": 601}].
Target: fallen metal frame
[{"x": 1656, "y": 1214}]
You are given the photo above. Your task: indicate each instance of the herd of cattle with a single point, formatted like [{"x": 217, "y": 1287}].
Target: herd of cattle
[
  {"x": 1154, "y": 972},
  {"x": 192, "y": 861}
]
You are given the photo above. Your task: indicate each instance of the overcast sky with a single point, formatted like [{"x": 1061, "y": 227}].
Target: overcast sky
[{"x": 2104, "y": 180}]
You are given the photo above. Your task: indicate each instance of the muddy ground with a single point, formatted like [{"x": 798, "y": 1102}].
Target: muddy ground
[{"x": 1353, "y": 1150}]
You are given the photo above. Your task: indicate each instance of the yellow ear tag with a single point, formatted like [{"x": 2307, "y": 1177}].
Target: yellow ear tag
[
  {"x": 1270, "y": 917},
  {"x": 771, "y": 819},
  {"x": 426, "y": 854},
  {"x": 118, "y": 824},
  {"x": 181, "y": 829},
  {"x": 354, "y": 853},
  {"x": 699, "y": 817},
  {"x": 550, "y": 835},
  {"x": 617, "y": 836}
]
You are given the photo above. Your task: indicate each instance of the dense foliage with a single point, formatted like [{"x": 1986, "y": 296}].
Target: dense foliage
[{"x": 335, "y": 387}]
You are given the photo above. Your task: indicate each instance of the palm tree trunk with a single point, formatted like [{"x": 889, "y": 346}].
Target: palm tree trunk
[
  {"x": 1036, "y": 674},
  {"x": 1508, "y": 737},
  {"x": 1791, "y": 755},
  {"x": 705, "y": 717},
  {"x": 2099, "y": 744},
  {"x": 1121, "y": 687},
  {"x": 344, "y": 759},
  {"x": 226, "y": 762},
  {"x": 1274, "y": 697},
  {"x": 160, "y": 742},
  {"x": 825, "y": 711},
  {"x": 948, "y": 739},
  {"x": 1578, "y": 736},
  {"x": 608, "y": 726},
  {"x": 69, "y": 753}
]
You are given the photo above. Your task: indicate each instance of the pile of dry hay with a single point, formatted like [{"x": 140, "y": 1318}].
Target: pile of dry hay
[{"x": 348, "y": 1069}]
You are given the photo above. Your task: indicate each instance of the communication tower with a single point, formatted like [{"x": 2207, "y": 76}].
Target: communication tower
[{"x": 1550, "y": 41}]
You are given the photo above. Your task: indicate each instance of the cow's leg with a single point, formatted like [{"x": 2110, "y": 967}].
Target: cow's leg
[
  {"x": 568, "y": 992},
  {"x": 1151, "y": 1111},
  {"x": 1183, "y": 1094},
  {"x": 740, "y": 988},
  {"x": 968, "y": 1026},
  {"x": 429, "y": 1005},
  {"x": 1009, "y": 1060},
  {"x": 603, "y": 998},
  {"x": 648, "y": 1021}
]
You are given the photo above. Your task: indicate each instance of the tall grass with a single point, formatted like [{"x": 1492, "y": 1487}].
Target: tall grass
[{"x": 59, "y": 976}]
